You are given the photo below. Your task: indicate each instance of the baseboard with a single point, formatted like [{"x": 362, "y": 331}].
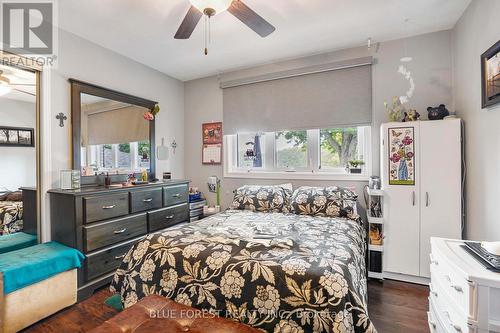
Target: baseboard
[{"x": 407, "y": 278}]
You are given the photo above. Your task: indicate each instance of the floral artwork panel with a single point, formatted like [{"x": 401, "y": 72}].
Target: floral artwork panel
[{"x": 401, "y": 156}]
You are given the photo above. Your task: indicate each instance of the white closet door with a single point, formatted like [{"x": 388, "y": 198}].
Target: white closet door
[
  {"x": 401, "y": 211},
  {"x": 440, "y": 185}
]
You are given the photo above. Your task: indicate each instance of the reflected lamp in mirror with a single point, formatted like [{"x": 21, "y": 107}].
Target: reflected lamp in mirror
[{"x": 115, "y": 137}]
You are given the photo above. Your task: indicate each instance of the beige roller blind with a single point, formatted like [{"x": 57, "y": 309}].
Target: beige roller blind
[
  {"x": 332, "y": 95},
  {"x": 120, "y": 125}
]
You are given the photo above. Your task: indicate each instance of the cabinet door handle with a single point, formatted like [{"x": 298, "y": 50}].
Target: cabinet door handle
[
  {"x": 426, "y": 199},
  {"x": 169, "y": 217},
  {"x": 177, "y": 195},
  {"x": 120, "y": 257},
  {"x": 116, "y": 232},
  {"x": 413, "y": 198},
  {"x": 148, "y": 200},
  {"x": 109, "y": 207}
]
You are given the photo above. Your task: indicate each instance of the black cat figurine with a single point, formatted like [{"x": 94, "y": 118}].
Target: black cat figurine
[{"x": 438, "y": 113}]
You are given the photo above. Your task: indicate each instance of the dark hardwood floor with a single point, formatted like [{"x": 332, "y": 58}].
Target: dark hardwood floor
[{"x": 394, "y": 307}]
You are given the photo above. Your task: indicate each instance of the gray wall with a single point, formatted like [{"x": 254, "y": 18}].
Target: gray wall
[
  {"x": 476, "y": 31},
  {"x": 17, "y": 164},
  {"x": 432, "y": 72},
  {"x": 83, "y": 60}
]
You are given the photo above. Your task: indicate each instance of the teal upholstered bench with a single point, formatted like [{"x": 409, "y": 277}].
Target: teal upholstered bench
[
  {"x": 40, "y": 280},
  {"x": 16, "y": 241}
]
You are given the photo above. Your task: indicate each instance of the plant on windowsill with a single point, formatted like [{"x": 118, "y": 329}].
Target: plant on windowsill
[{"x": 355, "y": 166}]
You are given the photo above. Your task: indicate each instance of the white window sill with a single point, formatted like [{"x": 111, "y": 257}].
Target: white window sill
[{"x": 299, "y": 175}]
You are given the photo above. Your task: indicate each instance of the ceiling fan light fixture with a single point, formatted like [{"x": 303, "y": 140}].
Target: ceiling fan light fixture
[{"x": 217, "y": 5}]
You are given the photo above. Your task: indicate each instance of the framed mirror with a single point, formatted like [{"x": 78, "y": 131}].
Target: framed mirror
[
  {"x": 20, "y": 154},
  {"x": 110, "y": 133}
]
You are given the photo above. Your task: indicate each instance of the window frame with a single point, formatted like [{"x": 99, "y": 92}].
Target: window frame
[{"x": 313, "y": 170}]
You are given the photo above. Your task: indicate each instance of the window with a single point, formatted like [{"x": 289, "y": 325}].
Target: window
[
  {"x": 306, "y": 153},
  {"x": 291, "y": 150},
  {"x": 129, "y": 157}
]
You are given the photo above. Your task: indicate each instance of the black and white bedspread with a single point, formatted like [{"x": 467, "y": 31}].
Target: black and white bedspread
[
  {"x": 277, "y": 272},
  {"x": 11, "y": 217}
]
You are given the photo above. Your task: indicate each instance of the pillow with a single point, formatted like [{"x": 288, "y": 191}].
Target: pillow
[
  {"x": 330, "y": 201},
  {"x": 262, "y": 198}
]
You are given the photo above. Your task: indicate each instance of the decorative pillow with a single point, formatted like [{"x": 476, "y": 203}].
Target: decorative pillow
[
  {"x": 12, "y": 196},
  {"x": 262, "y": 198},
  {"x": 330, "y": 201}
]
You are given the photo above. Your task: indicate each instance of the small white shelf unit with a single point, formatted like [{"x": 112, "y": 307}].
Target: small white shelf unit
[{"x": 375, "y": 224}]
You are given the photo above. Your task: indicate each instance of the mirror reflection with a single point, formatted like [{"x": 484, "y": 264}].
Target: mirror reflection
[
  {"x": 18, "y": 156},
  {"x": 114, "y": 137}
]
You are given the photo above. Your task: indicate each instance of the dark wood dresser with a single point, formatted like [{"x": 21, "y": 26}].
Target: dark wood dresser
[{"x": 103, "y": 223}]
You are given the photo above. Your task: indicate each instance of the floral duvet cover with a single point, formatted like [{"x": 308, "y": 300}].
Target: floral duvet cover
[
  {"x": 11, "y": 217},
  {"x": 273, "y": 271}
]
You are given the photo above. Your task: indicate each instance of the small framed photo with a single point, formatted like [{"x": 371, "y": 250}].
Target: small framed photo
[
  {"x": 17, "y": 136},
  {"x": 490, "y": 76}
]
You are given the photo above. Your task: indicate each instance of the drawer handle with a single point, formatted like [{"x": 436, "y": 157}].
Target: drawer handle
[
  {"x": 177, "y": 195},
  {"x": 120, "y": 231},
  {"x": 432, "y": 291},
  {"x": 433, "y": 324},
  {"x": 457, "y": 288},
  {"x": 109, "y": 207},
  {"x": 455, "y": 327},
  {"x": 120, "y": 257},
  {"x": 148, "y": 200},
  {"x": 434, "y": 262},
  {"x": 169, "y": 217}
]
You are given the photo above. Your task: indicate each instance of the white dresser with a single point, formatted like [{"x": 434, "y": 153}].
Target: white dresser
[{"x": 464, "y": 296}]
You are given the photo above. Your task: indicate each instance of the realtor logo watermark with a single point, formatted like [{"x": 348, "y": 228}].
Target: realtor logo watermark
[{"x": 29, "y": 29}]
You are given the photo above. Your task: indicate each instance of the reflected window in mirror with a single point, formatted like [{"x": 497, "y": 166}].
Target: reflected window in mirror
[{"x": 114, "y": 137}]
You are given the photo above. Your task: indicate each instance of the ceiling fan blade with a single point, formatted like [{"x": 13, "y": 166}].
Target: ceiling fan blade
[
  {"x": 253, "y": 20},
  {"x": 192, "y": 18},
  {"x": 24, "y": 92}
]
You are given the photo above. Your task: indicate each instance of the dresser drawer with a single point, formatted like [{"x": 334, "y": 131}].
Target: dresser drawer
[
  {"x": 453, "y": 286},
  {"x": 145, "y": 200},
  {"x": 167, "y": 217},
  {"x": 447, "y": 319},
  {"x": 104, "y": 207},
  {"x": 105, "y": 261},
  {"x": 102, "y": 234},
  {"x": 174, "y": 195}
]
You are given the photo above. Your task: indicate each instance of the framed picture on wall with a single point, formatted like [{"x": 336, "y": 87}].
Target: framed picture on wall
[
  {"x": 17, "y": 136},
  {"x": 401, "y": 156},
  {"x": 212, "y": 133},
  {"x": 490, "y": 76}
]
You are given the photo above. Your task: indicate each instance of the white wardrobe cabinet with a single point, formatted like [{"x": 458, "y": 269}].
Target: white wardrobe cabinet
[{"x": 421, "y": 166}]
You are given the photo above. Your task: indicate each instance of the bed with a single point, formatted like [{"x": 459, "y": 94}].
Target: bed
[
  {"x": 274, "y": 271},
  {"x": 11, "y": 217}
]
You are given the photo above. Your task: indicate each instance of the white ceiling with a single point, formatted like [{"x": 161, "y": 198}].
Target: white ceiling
[
  {"x": 143, "y": 30},
  {"x": 23, "y": 84}
]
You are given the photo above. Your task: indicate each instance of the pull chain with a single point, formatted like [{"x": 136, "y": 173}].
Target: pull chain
[{"x": 206, "y": 46}]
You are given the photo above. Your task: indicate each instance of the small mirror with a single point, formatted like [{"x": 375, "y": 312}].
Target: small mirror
[{"x": 114, "y": 137}]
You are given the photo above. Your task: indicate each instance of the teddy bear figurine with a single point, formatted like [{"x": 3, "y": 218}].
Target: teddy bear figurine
[
  {"x": 411, "y": 115},
  {"x": 438, "y": 113}
]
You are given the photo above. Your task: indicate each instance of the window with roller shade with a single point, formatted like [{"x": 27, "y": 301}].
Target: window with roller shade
[{"x": 311, "y": 120}]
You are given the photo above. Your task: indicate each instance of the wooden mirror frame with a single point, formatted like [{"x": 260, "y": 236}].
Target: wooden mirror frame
[{"x": 79, "y": 87}]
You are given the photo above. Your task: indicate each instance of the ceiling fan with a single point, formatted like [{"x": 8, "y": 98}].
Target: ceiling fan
[
  {"x": 209, "y": 8},
  {"x": 6, "y": 86}
]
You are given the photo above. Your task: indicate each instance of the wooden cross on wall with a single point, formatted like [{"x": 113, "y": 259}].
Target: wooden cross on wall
[{"x": 61, "y": 117}]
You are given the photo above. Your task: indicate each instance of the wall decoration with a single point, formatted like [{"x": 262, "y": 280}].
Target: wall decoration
[
  {"x": 490, "y": 76},
  {"x": 212, "y": 133},
  {"x": 17, "y": 136},
  {"x": 61, "y": 117},
  {"x": 407, "y": 74},
  {"x": 401, "y": 156},
  {"x": 212, "y": 154}
]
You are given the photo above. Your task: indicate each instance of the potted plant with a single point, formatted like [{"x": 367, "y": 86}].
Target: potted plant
[{"x": 355, "y": 166}]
